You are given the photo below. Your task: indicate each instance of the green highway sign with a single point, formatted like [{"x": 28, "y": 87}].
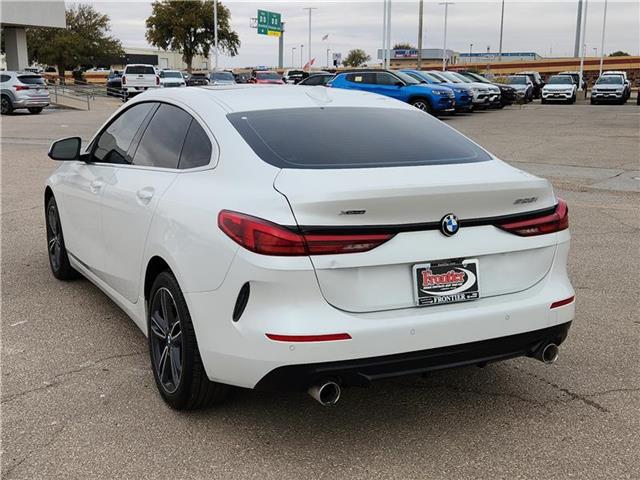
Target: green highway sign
[{"x": 269, "y": 23}]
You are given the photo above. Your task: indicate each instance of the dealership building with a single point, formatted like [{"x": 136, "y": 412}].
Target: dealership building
[{"x": 16, "y": 16}]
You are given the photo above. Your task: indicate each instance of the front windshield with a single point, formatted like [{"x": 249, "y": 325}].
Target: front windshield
[
  {"x": 267, "y": 76},
  {"x": 172, "y": 74},
  {"x": 224, "y": 76},
  {"x": 560, "y": 80},
  {"x": 432, "y": 78},
  {"x": 610, "y": 80},
  {"x": 449, "y": 77},
  {"x": 408, "y": 79},
  {"x": 517, "y": 80},
  {"x": 476, "y": 78}
]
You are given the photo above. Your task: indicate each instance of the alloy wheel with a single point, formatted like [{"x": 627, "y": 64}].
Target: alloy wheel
[
  {"x": 5, "y": 105},
  {"x": 166, "y": 339},
  {"x": 420, "y": 105},
  {"x": 54, "y": 240}
]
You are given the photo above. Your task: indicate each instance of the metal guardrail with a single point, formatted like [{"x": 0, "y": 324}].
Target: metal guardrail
[{"x": 83, "y": 91}]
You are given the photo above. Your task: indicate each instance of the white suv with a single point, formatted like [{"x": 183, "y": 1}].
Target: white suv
[
  {"x": 560, "y": 87},
  {"x": 23, "y": 90},
  {"x": 171, "y": 78},
  {"x": 137, "y": 78}
]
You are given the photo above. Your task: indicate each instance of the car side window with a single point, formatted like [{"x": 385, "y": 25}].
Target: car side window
[
  {"x": 114, "y": 142},
  {"x": 162, "y": 141},
  {"x": 4, "y": 78},
  {"x": 197, "y": 150},
  {"x": 383, "y": 78},
  {"x": 362, "y": 78}
]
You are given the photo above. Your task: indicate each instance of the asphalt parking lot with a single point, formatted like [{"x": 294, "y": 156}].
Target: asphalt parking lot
[{"x": 79, "y": 400}]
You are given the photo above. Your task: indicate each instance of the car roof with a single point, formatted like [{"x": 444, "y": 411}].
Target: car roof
[{"x": 243, "y": 98}]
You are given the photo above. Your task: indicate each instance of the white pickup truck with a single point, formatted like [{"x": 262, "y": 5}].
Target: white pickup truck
[{"x": 137, "y": 78}]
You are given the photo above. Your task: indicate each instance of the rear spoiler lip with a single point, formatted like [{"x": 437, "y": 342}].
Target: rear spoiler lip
[{"x": 419, "y": 227}]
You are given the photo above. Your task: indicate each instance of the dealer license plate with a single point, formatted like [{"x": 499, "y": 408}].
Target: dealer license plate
[{"x": 446, "y": 281}]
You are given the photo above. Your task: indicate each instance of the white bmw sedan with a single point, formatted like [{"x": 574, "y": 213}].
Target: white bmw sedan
[{"x": 307, "y": 239}]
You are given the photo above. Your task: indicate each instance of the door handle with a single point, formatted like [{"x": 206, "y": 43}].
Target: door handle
[
  {"x": 145, "y": 194},
  {"x": 96, "y": 185}
]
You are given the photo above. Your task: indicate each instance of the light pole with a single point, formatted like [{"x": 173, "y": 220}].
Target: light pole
[
  {"x": 576, "y": 48},
  {"x": 470, "y": 51},
  {"x": 384, "y": 34},
  {"x": 328, "y": 50},
  {"x": 582, "y": 43},
  {"x": 444, "y": 44},
  {"x": 595, "y": 51},
  {"x": 420, "y": 15},
  {"x": 604, "y": 26},
  {"x": 310, "y": 9},
  {"x": 501, "y": 30},
  {"x": 301, "y": 50},
  {"x": 388, "y": 65},
  {"x": 293, "y": 50},
  {"x": 215, "y": 35}
]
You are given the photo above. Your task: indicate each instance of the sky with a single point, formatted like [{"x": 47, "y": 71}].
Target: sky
[{"x": 546, "y": 27}]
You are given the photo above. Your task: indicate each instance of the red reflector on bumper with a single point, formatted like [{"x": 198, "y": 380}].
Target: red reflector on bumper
[
  {"x": 562, "y": 303},
  {"x": 308, "y": 338}
]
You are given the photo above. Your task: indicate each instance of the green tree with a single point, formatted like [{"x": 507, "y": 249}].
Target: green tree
[
  {"x": 403, "y": 46},
  {"x": 85, "y": 40},
  {"x": 619, "y": 53},
  {"x": 188, "y": 27},
  {"x": 355, "y": 58}
]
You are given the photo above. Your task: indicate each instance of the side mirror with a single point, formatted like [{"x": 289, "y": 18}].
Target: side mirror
[{"x": 65, "y": 149}]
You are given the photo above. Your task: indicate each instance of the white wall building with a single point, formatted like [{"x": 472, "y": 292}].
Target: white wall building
[{"x": 15, "y": 16}]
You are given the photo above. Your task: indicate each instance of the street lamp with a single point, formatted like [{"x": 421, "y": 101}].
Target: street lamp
[
  {"x": 501, "y": 30},
  {"x": 444, "y": 45},
  {"x": 215, "y": 35},
  {"x": 604, "y": 26},
  {"x": 310, "y": 9},
  {"x": 301, "y": 50},
  {"x": 584, "y": 46},
  {"x": 328, "y": 50},
  {"x": 293, "y": 50},
  {"x": 470, "y": 51}
]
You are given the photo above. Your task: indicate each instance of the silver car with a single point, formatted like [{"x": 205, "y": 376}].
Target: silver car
[
  {"x": 523, "y": 87},
  {"x": 23, "y": 90}
]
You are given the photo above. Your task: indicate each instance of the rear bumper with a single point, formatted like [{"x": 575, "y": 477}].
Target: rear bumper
[
  {"x": 31, "y": 102},
  {"x": 239, "y": 352},
  {"x": 363, "y": 371}
]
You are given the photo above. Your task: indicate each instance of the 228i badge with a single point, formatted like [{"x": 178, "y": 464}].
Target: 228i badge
[{"x": 448, "y": 281}]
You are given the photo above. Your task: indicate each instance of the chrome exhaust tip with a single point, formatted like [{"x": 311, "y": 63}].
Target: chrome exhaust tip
[
  {"x": 548, "y": 353},
  {"x": 327, "y": 393}
]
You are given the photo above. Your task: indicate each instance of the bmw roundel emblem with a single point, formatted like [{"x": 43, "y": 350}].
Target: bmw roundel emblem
[{"x": 449, "y": 225}]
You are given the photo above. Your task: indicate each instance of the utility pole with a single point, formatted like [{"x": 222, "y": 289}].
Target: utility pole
[
  {"x": 501, "y": 31},
  {"x": 384, "y": 34},
  {"x": 215, "y": 35},
  {"x": 388, "y": 64},
  {"x": 301, "y": 61},
  {"x": 576, "y": 49},
  {"x": 604, "y": 26},
  {"x": 444, "y": 44},
  {"x": 582, "y": 43},
  {"x": 293, "y": 50},
  {"x": 310, "y": 9},
  {"x": 420, "y": 14}
]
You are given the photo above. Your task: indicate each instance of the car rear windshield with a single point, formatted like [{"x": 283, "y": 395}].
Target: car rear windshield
[
  {"x": 352, "y": 137},
  {"x": 267, "y": 76},
  {"x": 31, "y": 79},
  {"x": 140, "y": 70},
  {"x": 222, "y": 76}
]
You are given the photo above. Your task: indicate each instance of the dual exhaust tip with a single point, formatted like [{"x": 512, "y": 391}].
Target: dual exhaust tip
[{"x": 327, "y": 392}]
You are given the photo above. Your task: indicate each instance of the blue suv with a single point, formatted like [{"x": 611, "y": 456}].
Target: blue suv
[
  {"x": 429, "y": 98},
  {"x": 464, "y": 95}
]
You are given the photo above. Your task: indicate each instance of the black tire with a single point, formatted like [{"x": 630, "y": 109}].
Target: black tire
[
  {"x": 7, "y": 105},
  {"x": 593, "y": 102},
  {"x": 35, "y": 110},
  {"x": 58, "y": 257},
  {"x": 185, "y": 386},
  {"x": 422, "y": 104}
]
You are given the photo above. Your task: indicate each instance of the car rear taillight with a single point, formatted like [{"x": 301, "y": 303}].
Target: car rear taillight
[
  {"x": 266, "y": 238},
  {"x": 20, "y": 87},
  {"x": 547, "y": 223}
]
